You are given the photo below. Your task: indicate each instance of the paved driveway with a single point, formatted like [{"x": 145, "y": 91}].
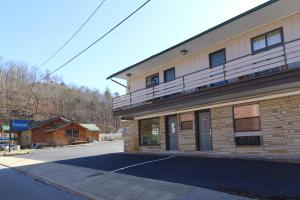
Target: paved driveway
[{"x": 247, "y": 177}]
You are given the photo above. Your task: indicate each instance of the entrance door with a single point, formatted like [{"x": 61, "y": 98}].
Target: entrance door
[
  {"x": 172, "y": 133},
  {"x": 204, "y": 131}
]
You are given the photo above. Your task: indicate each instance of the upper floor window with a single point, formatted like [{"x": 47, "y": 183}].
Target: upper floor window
[
  {"x": 152, "y": 80},
  {"x": 267, "y": 40},
  {"x": 217, "y": 58},
  {"x": 169, "y": 74}
]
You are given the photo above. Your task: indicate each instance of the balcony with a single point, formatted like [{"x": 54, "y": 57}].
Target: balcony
[{"x": 274, "y": 60}]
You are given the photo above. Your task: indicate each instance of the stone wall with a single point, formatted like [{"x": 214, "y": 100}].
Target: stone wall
[
  {"x": 280, "y": 122},
  {"x": 186, "y": 138},
  {"x": 131, "y": 136},
  {"x": 280, "y": 130},
  {"x": 222, "y": 129}
]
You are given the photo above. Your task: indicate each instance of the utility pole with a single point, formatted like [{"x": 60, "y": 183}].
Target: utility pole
[{"x": 9, "y": 139}]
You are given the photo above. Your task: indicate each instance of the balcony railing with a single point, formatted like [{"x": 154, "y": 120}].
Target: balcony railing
[{"x": 278, "y": 58}]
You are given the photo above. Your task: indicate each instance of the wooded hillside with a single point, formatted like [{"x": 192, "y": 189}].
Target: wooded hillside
[{"x": 23, "y": 100}]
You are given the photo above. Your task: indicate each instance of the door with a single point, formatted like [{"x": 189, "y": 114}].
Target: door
[
  {"x": 172, "y": 133},
  {"x": 204, "y": 131}
]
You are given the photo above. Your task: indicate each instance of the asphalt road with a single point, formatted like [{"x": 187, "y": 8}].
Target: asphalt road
[
  {"x": 14, "y": 185},
  {"x": 252, "y": 178}
]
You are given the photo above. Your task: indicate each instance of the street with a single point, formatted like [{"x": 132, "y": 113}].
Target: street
[{"x": 14, "y": 185}]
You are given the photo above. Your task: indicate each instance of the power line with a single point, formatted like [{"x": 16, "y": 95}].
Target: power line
[
  {"x": 89, "y": 46},
  {"x": 72, "y": 36},
  {"x": 32, "y": 25},
  {"x": 93, "y": 43}
]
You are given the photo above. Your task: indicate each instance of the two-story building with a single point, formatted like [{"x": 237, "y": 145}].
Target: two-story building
[{"x": 233, "y": 89}]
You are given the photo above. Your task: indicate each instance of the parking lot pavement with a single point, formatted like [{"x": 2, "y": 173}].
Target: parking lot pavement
[
  {"x": 14, "y": 185},
  {"x": 116, "y": 175},
  {"x": 248, "y": 177}
]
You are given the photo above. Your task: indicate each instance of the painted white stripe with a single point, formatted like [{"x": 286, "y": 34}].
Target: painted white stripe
[{"x": 142, "y": 163}]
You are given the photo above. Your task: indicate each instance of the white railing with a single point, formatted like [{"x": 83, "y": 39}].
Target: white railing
[{"x": 286, "y": 54}]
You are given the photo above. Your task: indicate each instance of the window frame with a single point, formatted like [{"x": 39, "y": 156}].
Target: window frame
[
  {"x": 189, "y": 121},
  {"x": 266, "y": 41},
  {"x": 151, "y": 76},
  {"x": 248, "y": 145},
  {"x": 72, "y": 133},
  {"x": 140, "y": 132},
  {"x": 168, "y": 70},
  {"x": 234, "y": 119},
  {"x": 212, "y": 53}
]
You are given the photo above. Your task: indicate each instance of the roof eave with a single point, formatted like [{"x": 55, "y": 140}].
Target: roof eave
[{"x": 196, "y": 36}]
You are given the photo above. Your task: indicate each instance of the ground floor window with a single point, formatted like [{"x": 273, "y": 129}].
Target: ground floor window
[
  {"x": 72, "y": 133},
  {"x": 247, "y": 125},
  {"x": 149, "y": 131},
  {"x": 246, "y": 118}
]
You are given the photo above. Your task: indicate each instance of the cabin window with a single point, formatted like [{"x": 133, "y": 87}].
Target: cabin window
[
  {"x": 217, "y": 58},
  {"x": 72, "y": 133},
  {"x": 246, "y": 118},
  {"x": 152, "y": 80},
  {"x": 149, "y": 131},
  {"x": 186, "y": 121},
  {"x": 267, "y": 40},
  {"x": 169, "y": 74}
]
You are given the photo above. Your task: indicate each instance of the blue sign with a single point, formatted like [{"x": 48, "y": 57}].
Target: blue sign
[{"x": 19, "y": 125}]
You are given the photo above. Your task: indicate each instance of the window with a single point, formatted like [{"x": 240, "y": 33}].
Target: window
[
  {"x": 75, "y": 133},
  {"x": 169, "y": 74},
  {"x": 246, "y": 118},
  {"x": 248, "y": 141},
  {"x": 152, "y": 80},
  {"x": 186, "y": 121},
  {"x": 69, "y": 133},
  {"x": 217, "y": 58},
  {"x": 267, "y": 40},
  {"x": 149, "y": 131},
  {"x": 72, "y": 133}
]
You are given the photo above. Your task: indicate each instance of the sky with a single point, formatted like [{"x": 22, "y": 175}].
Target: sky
[{"x": 32, "y": 30}]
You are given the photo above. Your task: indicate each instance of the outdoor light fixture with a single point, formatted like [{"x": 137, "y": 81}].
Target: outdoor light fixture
[
  {"x": 129, "y": 75},
  {"x": 184, "y": 51}
]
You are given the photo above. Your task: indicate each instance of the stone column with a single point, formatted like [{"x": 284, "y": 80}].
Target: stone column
[{"x": 131, "y": 135}]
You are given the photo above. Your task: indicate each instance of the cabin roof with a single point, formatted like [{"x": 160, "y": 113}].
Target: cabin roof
[{"x": 90, "y": 127}]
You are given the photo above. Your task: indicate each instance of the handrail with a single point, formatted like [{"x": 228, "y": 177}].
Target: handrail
[{"x": 207, "y": 68}]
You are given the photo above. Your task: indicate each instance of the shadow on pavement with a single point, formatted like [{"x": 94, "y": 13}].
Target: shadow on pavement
[{"x": 262, "y": 179}]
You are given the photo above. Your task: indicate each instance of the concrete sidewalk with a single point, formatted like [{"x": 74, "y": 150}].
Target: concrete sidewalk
[{"x": 106, "y": 185}]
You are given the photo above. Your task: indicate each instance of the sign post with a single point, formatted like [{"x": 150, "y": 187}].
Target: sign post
[
  {"x": 9, "y": 137},
  {"x": 17, "y": 125}
]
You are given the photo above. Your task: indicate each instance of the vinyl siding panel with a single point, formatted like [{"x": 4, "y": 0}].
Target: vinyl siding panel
[{"x": 235, "y": 47}]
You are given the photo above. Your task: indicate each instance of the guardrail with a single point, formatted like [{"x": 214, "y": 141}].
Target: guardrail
[{"x": 284, "y": 55}]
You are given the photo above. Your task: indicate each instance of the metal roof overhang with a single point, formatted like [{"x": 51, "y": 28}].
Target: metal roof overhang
[{"x": 254, "y": 18}]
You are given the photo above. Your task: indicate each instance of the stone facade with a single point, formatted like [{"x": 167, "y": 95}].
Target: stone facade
[
  {"x": 131, "y": 136},
  {"x": 186, "y": 138},
  {"x": 280, "y": 131}
]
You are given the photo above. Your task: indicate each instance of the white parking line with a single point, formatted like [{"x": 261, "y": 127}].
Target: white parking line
[{"x": 142, "y": 163}]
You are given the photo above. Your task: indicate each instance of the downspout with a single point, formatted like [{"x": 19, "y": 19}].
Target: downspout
[{"x": 118, "y": 83}]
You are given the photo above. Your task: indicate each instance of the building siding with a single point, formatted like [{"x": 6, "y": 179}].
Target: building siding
[
  {"x": 235, "y": 47},
  {"x": 280, "y": 130}
]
